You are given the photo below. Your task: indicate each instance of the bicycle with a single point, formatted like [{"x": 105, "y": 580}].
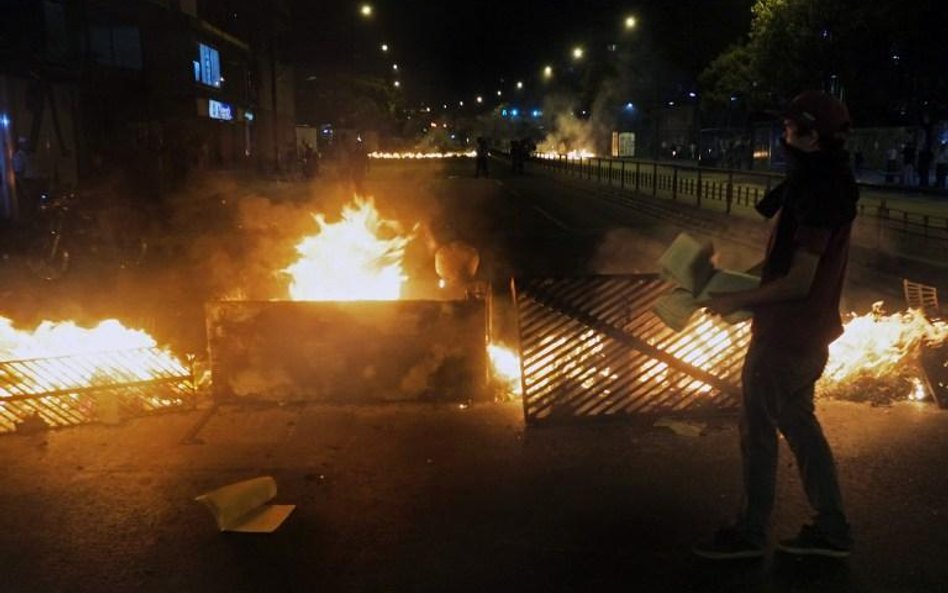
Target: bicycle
[{"x": 68, "y": 227}]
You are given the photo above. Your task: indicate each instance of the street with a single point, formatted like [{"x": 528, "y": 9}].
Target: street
[{"x": 422, "y": 496}]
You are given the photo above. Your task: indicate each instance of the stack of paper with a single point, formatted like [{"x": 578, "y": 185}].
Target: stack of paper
[{"x": 687, "y": 263}]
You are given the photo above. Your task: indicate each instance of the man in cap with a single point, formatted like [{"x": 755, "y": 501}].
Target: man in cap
[{"x": 796, "y": 317}]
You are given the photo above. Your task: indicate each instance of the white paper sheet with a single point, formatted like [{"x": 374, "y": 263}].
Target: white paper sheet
[{"x": 242, "y": 506}]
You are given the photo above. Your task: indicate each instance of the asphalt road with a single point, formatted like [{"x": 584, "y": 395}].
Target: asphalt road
[{"x": 419, "y": 497}]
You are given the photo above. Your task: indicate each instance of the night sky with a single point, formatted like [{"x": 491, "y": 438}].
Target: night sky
[{"x": 449, "y": 50}]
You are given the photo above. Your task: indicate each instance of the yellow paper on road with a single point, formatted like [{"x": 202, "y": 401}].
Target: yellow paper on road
[{"x": 243, "y": 507}]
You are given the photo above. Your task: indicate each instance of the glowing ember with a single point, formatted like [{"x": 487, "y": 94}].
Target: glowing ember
[
  {"x": 357, "y": 258},
  {"x": 95, "y": 345},
  {"x": 422, "y": 155},
  {"x": 506, "y": 368}
]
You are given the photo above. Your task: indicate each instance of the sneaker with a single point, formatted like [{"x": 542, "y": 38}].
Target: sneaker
[
  {"x": 810, "y": 542},
  {"x": 728, "y": 544}
]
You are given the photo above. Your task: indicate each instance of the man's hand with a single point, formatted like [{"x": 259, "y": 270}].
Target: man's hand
[{"x": 723, "y": 304}]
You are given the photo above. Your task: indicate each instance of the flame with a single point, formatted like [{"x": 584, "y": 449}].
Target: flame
[
  {"x": 874, "y": 350},
  {"x": 422, "y": 155},
  {"x": 351, "y": 259},
  {"x": 505, "y": 364},
  {"x": 579, "y": 365},
  {"x": 570, "y": 155},
  {"x": 705, "y": 345},
  {"x": 95, "y": 345},
  {"x": 879, "y": 346}
]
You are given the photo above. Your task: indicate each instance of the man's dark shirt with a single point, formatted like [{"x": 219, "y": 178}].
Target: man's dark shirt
[{"x": 815, "y": 207}]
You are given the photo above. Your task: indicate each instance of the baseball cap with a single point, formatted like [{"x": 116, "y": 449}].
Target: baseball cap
[{"x": 821, "y": 112}]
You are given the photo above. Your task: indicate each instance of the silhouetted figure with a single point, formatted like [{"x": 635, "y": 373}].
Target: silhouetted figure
[
  {"x": 358, "y": 166},
  {"x": 480, "y": 159},
  {"x": 25, "y": 181},
  {"x": 796, "y": 317},
  {"x": 925, "y": 157},
  {"x": 518, "y": 154},
  {"x": 891, "y": 164},
  {"x": 941, "y": 166},
  {"x": 310, "y": 161},
  {"x": 908, "y": 163}
]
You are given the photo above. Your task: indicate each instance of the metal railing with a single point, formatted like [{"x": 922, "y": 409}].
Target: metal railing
[
  {"x": 77, "y": 389},
  {"x": 910, "y": 224}
]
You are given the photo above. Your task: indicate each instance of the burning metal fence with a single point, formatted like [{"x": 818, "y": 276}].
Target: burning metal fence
[
  {"x": 592, "y": 348},
  {"x": 68, "y": 390}
]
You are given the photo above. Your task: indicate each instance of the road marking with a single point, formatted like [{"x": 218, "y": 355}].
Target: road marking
[
  {"x": 551, "y": 218},
  {"x": 541, "y": 211}
]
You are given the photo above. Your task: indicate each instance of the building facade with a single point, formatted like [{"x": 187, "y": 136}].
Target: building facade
[{"x": 139, "y": 94}]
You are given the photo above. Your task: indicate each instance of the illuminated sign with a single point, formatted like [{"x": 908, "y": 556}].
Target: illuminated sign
[{"x": 218, "y": 110}]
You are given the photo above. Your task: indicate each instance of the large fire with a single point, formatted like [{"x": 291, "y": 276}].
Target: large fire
[
  {"x": 96, "y": 345},
  {"x": 877, "y": 352},
  {"x": 879, "y": 348},
  {"x": 357, "y": 258},
  {"x": 422, "y": 155}
]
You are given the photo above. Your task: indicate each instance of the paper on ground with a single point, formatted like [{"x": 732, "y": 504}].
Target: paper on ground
[
  {"x": 679, "y": 427},
  {"x": 242, "y": 506}
]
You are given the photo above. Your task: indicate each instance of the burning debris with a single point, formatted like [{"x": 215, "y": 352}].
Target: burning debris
[
  {"x": 357, "y": 258},
  {"x": 877, "y": 359},
  {"x": 422, "y": 155},
  {"x": 505, "y": 368},
  {"x": 599, "y": 358},
  {"x": 63, "y": 374}
]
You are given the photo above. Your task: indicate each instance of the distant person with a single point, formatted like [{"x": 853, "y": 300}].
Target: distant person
[
  {"x": 24, "y": 179},
  {"x": 891, "y": 164},
  {"x": 941, "y": 165},
  {"x": 518, "y": 154},
  {"x": 310, "y": 160},
  {"x": 480, "y": 158},
  {"x": 796, "y": 317},
  {"x": 358, "y": 166},
  {"x": 908, "y": 163},
  {"x": 925, "y": 158}
]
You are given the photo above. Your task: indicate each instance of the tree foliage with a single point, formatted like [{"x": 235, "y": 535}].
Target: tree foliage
[{"x": 886, "y": 57}]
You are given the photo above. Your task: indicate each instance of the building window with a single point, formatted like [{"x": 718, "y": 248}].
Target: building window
[
  {"x": 207, "y": 67},
  {"x": 117, "y": 46}
]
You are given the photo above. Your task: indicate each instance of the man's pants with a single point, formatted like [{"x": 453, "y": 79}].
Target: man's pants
[{"x": 778, "y": 395}]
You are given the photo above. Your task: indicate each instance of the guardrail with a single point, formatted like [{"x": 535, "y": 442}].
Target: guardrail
[{"x": 917, "y": 224}]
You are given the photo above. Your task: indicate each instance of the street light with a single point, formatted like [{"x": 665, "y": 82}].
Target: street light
[
  {"x": 578, "y": 53},
  {"x": 479, "y": 99},
  {"x": 365, "y": 10},
  {"x": 395, "y": 67},
  {"x": 499, "y": 93},
  {"x": 630, "y": 23},
  {"x": 519, "y": 85},
  {"x": 548, "y": 72},
  {"x": 384, "y": 47},
  {"x": 397, "y": 84}
]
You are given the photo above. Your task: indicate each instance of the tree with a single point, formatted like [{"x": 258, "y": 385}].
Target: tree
[{"x": 884, "y": 57}]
